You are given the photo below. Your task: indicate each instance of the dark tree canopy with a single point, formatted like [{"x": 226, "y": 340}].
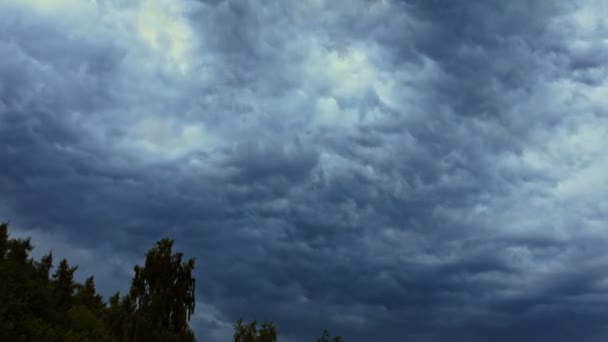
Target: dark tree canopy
[
  {"x": 41, "y": 303},
  {"x": 163, "y": 290},
  {"x": 64, "y": 285},
  {"x": 3, "y": 240},
  {"x": 244, "y": 332},
  {"x": 325, "y": 337},
  {"x": 37, "y": 306}
]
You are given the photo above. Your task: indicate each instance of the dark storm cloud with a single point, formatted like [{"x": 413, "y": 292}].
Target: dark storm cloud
[{"x": 417, "y": 170}]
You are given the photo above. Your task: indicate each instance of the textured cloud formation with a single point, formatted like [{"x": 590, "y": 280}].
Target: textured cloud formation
[{"x": 391, "y": 170}]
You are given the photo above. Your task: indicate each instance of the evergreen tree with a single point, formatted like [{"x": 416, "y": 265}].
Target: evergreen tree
[
  {"x": 86, "y": 295},
  {"x": 18, "y": 250},
  {"x": 44, "y": 265},
  {"x": 25, "y": 313},
  {"x": 3, "y": 240},
  {"x": 158, "y": 307},
  {"x": 36, "y": 308},
  {"x": 115, "y": 318},
  {"x": 64, "y": 285}
]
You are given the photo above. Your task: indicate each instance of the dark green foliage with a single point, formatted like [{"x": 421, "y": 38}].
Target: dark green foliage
[
  {"x": 267, "y": 333},
  {"x": 25, "y": 298},
  {"x": 38, "y": 306},
  {"x": 249, "y": 332},
  {"x": 64, "y": 286},
  {"x": 86, "y": 295},
  {"x": 18, "y": 250},
  {"x": 3, "y": 240},
  {"x": 34, "y": 307},
  {"x": 163, "y": 290},
  {"x": 325, "y": 337},
  {"x": 44, "y": 265}
]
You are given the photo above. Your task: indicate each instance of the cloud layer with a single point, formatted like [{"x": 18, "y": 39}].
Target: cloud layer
[{"x": 391, "y": 170}]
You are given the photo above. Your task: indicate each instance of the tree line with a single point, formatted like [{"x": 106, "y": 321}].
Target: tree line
[{"x": 43, "y": 302}]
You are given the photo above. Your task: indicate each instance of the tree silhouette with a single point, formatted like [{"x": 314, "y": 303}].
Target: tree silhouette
[
  {"x": 64, "y": 285},
  {"x": 244, "y": 332},
  {"x": 44, "y": 265},
  {"x": 325, "y": 337},
  {"x": 18, "y": 250},
  {"x": 86, "y": 295},
  {"x": 267, "y": 333},
  {"x": 3, "y": 240},
  {"x": 163, "y": 289},
  {"x": 37, "y": 306}
]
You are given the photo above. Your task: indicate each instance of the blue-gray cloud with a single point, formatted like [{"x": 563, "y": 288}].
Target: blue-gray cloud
[{"x": 391, "y": 170}]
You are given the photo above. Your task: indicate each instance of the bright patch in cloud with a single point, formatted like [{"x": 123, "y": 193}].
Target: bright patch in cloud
[
  {"x": 165, "y": 138},
  {"x": 163, "y": 28}
]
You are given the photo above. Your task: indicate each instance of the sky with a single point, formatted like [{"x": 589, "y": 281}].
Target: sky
[{"x": 422, "y": 170}]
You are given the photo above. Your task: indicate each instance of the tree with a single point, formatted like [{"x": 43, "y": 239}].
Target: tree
[
  {"x": 64, "y": 285},
  {"x": 18, "y": 250},
  {"x": 115, "y": 317},
  {"x": 44, "y": 265},
  {"x": 245, "y": 332},
  {"x": 267, "y": 333},
  {"x": 3, "y": 240},
  {"x": 163, "y": 290},
  {"x": 87, "y": 296},
  {"x": 24, "y": 297},
  {"x": 249, "y": 333},
  {"x": 325, "y": 337},
  {"x": 36, "y": 308}
]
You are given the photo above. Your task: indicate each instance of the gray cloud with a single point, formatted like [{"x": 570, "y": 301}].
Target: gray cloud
[{"x": 420, "y": 170}]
